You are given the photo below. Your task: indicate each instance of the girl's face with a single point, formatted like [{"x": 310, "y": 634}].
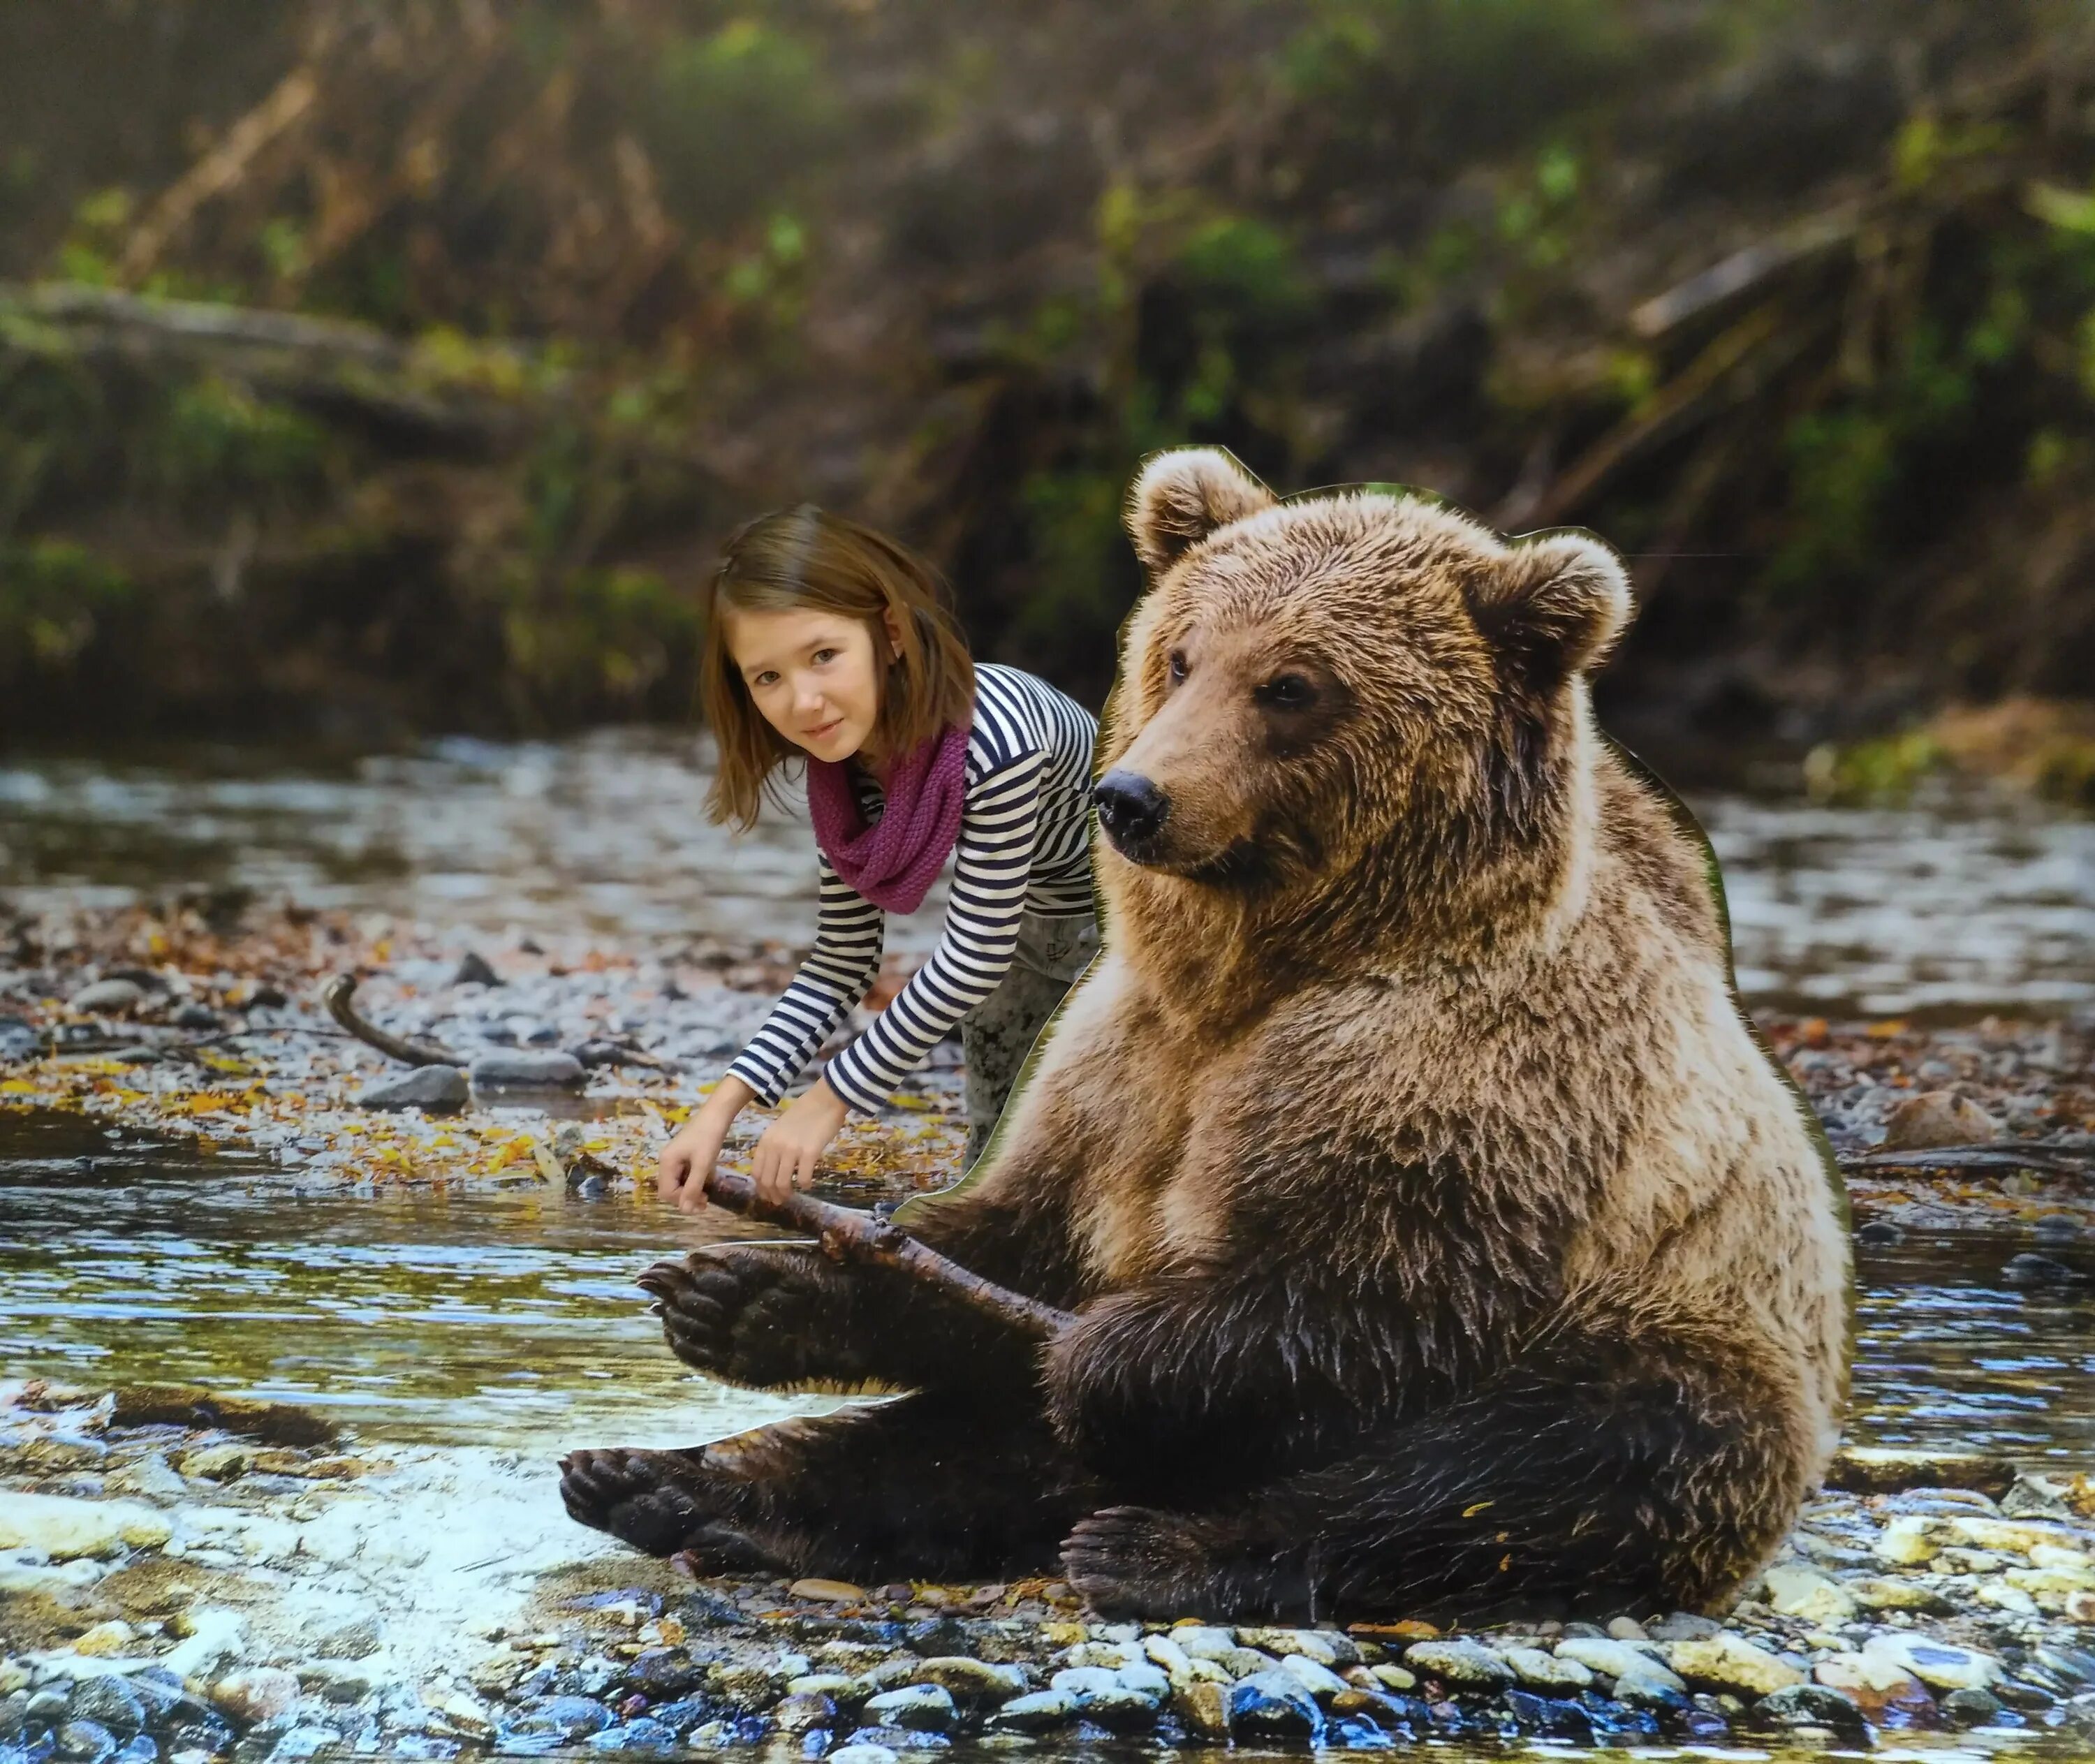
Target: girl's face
[{"x": 813, "y": 676}]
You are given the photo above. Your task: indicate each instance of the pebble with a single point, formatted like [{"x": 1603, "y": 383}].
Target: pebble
[
  {"x": 2032, "y": 1269},
  {"x": 474, "y": 969},
  {"x": 1037, "y": 1712},
  {"x": 827, "y": 1592},
  {"x": 1940, "y": 1663},
  {"x": 1729, "y": 1663},
  {"x": 1972, "y": 1708},
  {"x": 922, "y": 1708},
  {"x": 106, "y": 995},
  {"x": 858, "y": 1752},
  {"x": 1461, "y": 1661},
  {"x": 259, "y": 1693},
  {"x": 110, "y": 1701},
  {"x": 518, "y": 1070},
  {"x": 970, "y": 1680},
  {"x": 1805, "y": 1592},
  {"x": 1320, "y": 1681},
  {"x": 1543, "y": 1672},
  {"x": 427, "y": 1087},
  {"x": 638, "y": 1735},
  {"x": 217, "y": 1463},
  {"x": 1936, "y": 1118},
  {"x": 1205, "y": 1708},
  {"x": 1613, "y": 1659},
  {"x": 85, "y": 1742},
  {"x": 804, "y": 1711},
  {"x": 1326, "y": 1647}
]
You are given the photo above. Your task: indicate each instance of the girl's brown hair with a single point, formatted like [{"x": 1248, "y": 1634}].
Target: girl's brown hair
[{"x": 802, "y": 559}]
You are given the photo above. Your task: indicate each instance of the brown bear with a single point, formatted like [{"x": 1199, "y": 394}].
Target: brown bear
[{"x": 1441, "y": 1240}]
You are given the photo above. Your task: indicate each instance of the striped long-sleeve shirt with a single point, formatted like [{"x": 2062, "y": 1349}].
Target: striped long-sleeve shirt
[{"x": 1024, "y": 844}]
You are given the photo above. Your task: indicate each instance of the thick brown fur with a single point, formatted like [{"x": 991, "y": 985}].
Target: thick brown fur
[{"x": 1442, "y": 1240}]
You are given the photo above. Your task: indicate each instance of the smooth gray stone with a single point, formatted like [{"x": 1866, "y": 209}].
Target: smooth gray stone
[
  {"x": 520, "y": 1069},
  {"x": 427, "y": 1087}
]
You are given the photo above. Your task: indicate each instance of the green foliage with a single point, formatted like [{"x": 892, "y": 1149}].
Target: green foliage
[
  {"x": 1886, "y": 768},
  {"x": 592, "y": 635},
  {"x": 1436, "y": 79},
  {"x": 53, "y": 592},
  {"x": 218, "y": 438},
  {"x": 733, "y": 116}
]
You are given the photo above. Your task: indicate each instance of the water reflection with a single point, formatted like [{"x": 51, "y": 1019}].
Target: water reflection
[{"x": 490, "y": 1317}]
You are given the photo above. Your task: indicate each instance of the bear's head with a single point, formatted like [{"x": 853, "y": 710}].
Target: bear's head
[{"x": 1351, "y": 709}]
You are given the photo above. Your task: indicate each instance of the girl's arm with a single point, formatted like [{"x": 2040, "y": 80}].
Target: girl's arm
[
  {"x": 992, "y": 867},
  {"x": 849, "y": 930}
]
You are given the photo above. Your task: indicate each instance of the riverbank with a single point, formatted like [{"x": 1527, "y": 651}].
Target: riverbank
[
  {"x": 572, "y": 1062},
  {"x": 244, "y": 1579}
]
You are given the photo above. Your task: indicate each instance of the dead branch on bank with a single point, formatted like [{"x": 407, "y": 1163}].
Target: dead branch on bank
[
  {"x": 2052, "y": 1159},
  {"x": 846, "y": 1235},
  {"x": 336, "y": 996}
]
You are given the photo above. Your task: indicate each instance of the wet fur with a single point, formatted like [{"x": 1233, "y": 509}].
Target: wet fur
[{"x": 1443, "y": 1243}]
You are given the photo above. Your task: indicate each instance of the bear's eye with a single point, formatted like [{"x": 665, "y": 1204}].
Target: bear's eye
[
  {"x": 1287, "y": 692},
  {"x": 1177, "y": 665}
]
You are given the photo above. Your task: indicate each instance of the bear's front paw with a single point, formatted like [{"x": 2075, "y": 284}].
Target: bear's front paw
[
  {"x": 1137, "y": 1561},
  {"x": 742, "y": 1315},
  {"x": 654, "y": 1501}
]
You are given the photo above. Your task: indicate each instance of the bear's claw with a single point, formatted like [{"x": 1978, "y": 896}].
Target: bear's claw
[
  {"x": 734, "y": 1314},
  {"x": 626, "y": 1494},
  {"x": 1134, "y": 1561}
]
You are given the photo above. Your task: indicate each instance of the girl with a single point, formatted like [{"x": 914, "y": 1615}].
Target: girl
[{"x": 828, "y": 640}]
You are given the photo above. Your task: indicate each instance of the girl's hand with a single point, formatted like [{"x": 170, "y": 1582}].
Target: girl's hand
[
  {"x": 688, "y": 1159},
  {"x": 785, "y": 1155}
]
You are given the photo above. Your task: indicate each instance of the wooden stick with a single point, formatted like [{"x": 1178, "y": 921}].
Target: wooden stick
[
  {"x": 336, "y": 996},
  {"x": 846, "y": 1235},
  {"x": 2056, "y": 1160}
]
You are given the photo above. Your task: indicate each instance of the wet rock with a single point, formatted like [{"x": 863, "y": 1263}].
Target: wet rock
[
  {"x": 1540, "y": 1671},
  {"x": 1627, "y": 1629},
  {"x": 1394, "y": 1678},
  {"x": 1121, "y": 1709},
  {"x": 662, "y": 1675},
  {"x": 428, "y": 1087},
  {"x": 63, "y": 1528},
  {"x": 1879, "y": 1231},
  {"x": 1729, "y": 1663},
  {"x": 518, "y": 1070},
  {"x": 747, "y": 1689},
  {"x": 1151, "y": 1681},
  {"x": 106, "y": 996},
  {"x": 1203, "y": 1707},
  {"x": 1084, "y": 1683},
  {"x": 197, "y": 1016},
  {"x": 1683, "y": 1626},
  {"x": 920, "y": 1708},
  {"x": 151, "y": 1474},
  {"x": 1937, "y": 1118},
  {"x": 109, "y": 1701},
  {"x": 2031, "y": 1269},
  {"x": 212, "y": 1639},
  {"x": 1886, "y": 1470},
  {"x": 1203, "y": 1641},
  {"x": 217, "y": 1463},
  {"x": 1811, "y": 1706},
  {"x": 1272, "y": 1705},
  {"x": 259, "y": 1693},
  {"x": 1355, "y": 1734},
  {"x": 1971, "y": 1708},
  {"x": 474, "y": 969},
  {"x": 1037, "y": 1712},
  {"x": 973, "y": 1681},
  {"x": 1940, "y": 1664},
  {"x": 85, "y": 1742},
  {"x": 804, "y": 1711},
  {"x": 1550, "y": 1718},
  {"x": 899, "y": 1740},
  {"x": 1460, "y": 1662},
  {"x": 859, "y": 1752},
  {"x": 192, "y": 1406},
  {"x": 1875, "y": 1683},
  {"x": 681, "y": 1716},
  {"x": 140, "y": 1748}
]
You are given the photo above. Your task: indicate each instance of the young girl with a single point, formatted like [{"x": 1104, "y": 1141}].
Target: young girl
[{"x": 827, "y": 641}]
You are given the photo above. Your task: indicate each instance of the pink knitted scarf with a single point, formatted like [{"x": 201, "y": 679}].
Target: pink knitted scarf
[{"x": 893, "y": 862}]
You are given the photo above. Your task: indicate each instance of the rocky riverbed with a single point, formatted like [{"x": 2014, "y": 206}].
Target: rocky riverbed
[{"x": 183, "y": 1575}]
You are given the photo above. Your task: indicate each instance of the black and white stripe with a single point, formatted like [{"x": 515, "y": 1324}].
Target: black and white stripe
[{"x": 1024, "y": 845}]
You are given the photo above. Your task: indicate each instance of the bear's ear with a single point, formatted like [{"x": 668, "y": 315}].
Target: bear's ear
[
  {"x": 1184, "y": 494},
  {"x": 1552, "y": 606}
]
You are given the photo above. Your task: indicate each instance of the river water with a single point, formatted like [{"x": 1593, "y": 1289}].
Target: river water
[{"x": 1958, "y": 904}]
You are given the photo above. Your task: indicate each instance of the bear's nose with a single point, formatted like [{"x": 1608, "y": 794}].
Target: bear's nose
[{"x": 1131, "y": 808}]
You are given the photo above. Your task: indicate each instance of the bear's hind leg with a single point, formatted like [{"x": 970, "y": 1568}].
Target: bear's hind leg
[{"x": 1547, "y": 1494}]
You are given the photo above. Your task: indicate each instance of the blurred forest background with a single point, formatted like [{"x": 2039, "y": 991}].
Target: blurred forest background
[{"x": 375, "y": 369}]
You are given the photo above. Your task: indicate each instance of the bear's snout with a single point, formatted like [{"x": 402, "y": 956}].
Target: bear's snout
[{"x": 1131, "y": 809}]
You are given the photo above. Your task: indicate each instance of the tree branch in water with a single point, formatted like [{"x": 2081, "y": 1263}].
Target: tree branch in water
[
  {"x": 845, "y": 1234},
  {"x": 336, "y": 996}
]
